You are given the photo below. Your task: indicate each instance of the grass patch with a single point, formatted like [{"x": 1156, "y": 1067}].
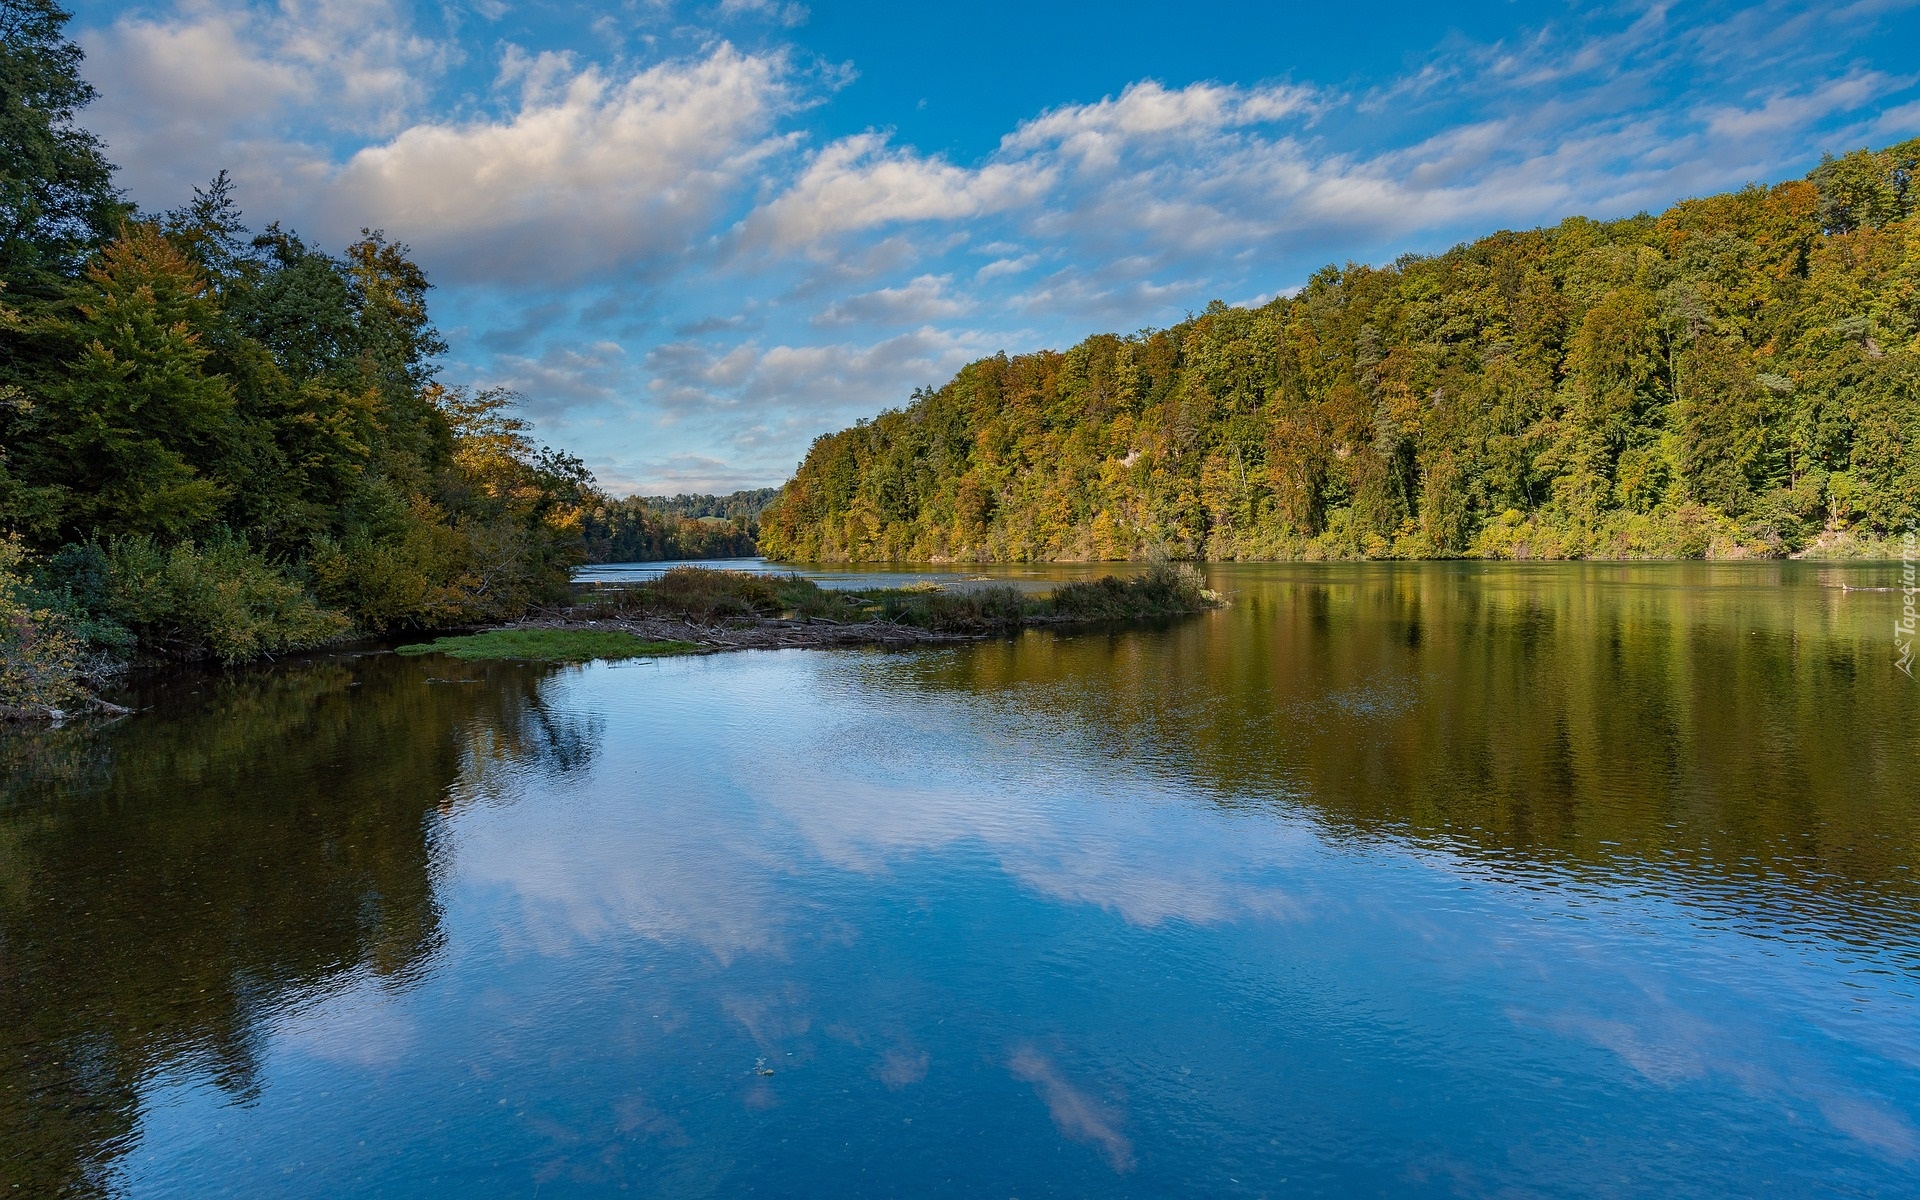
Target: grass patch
[{"x": 548, "y": 645}]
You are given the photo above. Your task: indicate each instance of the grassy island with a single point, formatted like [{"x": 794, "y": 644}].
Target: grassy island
[{"x": 702, "y": 610}]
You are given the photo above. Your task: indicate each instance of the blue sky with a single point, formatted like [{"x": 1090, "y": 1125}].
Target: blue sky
[{"x": 696, "y": 236}]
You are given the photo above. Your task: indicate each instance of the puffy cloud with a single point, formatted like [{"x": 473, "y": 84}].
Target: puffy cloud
[
  {"x": 212, "y": 85},
  {"x": 1047, "y": 168},
  {"x": 1007, "y": 266},
  {"x": 1100, "y": 133},
  {"x": 588, "y": 172},
  {"x": 1547, "y": 124},
  {"x": 861, "y": 182},
  {"x": 926, "y": 298},
  {"x": 204, "y": 70}
]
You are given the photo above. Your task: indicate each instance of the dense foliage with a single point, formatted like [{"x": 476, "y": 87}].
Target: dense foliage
[
  {"x": 1738, "y": 375},
  {"x": 221, "y": 443},
  {"x": 742, "y": 508}
]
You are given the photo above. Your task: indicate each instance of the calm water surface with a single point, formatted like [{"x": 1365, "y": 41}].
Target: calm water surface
[{"x": 1399, "y": 880}]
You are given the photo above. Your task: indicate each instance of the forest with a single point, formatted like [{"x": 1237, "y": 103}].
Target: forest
[
  {"x": 1737, "y": 376},
  {"x": 652, "y": 528},
  {"x": 222, "y": 442}
]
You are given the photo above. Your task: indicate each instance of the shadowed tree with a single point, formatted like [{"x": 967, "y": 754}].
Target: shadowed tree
[{"x": 57, "y": 199}]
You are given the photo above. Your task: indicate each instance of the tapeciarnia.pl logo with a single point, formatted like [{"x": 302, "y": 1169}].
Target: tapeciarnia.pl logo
[{"x": 1903, "y": 629}]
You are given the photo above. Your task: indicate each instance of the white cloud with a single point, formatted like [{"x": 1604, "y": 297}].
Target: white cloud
[
  {"x": 590, "y": 170},
  {"x": 1785, "y": 110},
  {"x": 562, "y": 376},
  {"x": 204, "y": 71},
  {"x": 212, "y": 85},
  {"x": 925, "y": 298},
  {"x": 681, "y": 473},
  {"x": 688, "y": 377},
  {"x": 758, "y": 406},
  {"x": 860, "y": 182},
  {"x": 1006, "y": 266},
  {"x": 1100, "y": 133},
  {"x": 863, "y": 182},
  {"x": 1212, "y": 174},
  {"x": 783, "y": 12},
  {"x": 856, "y": 377}
]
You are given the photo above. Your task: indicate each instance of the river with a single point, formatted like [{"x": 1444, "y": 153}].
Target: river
[{"x": 1390, "y": 879}]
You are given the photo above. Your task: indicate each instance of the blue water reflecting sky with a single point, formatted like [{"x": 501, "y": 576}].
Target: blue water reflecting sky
[{"x": 805, "y": 925}]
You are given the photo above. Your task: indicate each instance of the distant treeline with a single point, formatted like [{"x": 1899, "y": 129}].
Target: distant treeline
[
  {"x": 653, "y": 528},
  {"x": 1739, "y": 375},
  {"x": 743, "y": 507}
]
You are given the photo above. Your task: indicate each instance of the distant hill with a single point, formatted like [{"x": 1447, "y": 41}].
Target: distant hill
[
  {"x": 743, "y": 505},
  {"x": 1739, "y": 375},
  {"x": 653, "y": 528}
]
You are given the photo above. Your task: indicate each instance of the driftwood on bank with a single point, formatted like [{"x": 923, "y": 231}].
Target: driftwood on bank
[
  {"x": 91, "y": 706},
  {"x": 763, "y": 633}
]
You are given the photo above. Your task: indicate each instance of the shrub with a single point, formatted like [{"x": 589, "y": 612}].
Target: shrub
[
  {"x": 221, "y": 600},
  {"x": 43, "y": 664},
  {"x": 707, "y": 596},
  {"x": 1167, "y": 589}
]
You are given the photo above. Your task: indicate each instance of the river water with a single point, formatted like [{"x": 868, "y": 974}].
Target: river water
[{"x": 1433, "y": 879}]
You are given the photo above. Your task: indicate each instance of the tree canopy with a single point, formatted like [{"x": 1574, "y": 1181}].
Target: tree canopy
[
  {"x": 1737, "y": 375},
  {"x": 57, "y": 199}
]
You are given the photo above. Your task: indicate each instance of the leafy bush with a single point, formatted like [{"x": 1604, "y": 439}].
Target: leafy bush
[
  {"x": 43, "y": 664},
  {"x": 1167, "y": 589},
  {"x": 706, "y": 596},
  {"x": 221, "y": 600}
]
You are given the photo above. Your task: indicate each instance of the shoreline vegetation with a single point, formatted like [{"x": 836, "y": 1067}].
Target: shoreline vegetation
[{"x": 697, "y": 610}]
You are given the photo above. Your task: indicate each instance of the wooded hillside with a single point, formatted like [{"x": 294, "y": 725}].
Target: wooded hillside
[{"x": 1737, "y": 375}]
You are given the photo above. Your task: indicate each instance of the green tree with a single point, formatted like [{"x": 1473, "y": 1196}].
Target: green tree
[
  {"x": 129, "y": 432},
  {"x": 57, "y": 199}
]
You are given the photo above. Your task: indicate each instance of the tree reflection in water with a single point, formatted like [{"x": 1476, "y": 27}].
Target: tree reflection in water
[
  {"x": 167, "y": 882},
  {"x": 1737, "y": 730}
]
